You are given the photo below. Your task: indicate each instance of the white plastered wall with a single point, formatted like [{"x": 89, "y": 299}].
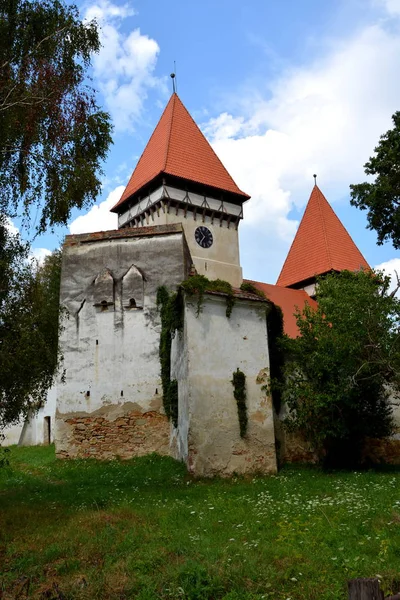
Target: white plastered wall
[
  {"x": 110, "y": 352},
  {"x": 204, "y": 358}
]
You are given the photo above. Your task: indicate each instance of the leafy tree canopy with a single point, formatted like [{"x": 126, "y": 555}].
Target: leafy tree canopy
[
  {"x": 348, "y": 353},
  {"x": 382, "y": 197},
  {"x": 29, "y": 327},
  {"x": 53, "y": 136}
]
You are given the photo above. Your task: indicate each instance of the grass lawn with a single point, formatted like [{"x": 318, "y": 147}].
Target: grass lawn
[{"x": 144, "y": 529}]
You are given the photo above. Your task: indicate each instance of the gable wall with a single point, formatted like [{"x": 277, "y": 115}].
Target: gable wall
[{"x": 111, "y": 401}]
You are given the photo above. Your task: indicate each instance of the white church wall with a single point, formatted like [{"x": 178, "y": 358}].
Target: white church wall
[
  {"x": 38, "y": 429},
  {"x": 111, "y": 401},
  {"x": 215, "y": 346}
]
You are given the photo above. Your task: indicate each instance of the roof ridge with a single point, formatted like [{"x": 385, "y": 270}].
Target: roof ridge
[
  {"x": 211, "y": 148},
  {"x": 290, "y": 249},
  {"x": 344, "y": 228},
  {"x": 328, "y": 252},
  {"x": 173, "y": 98}
]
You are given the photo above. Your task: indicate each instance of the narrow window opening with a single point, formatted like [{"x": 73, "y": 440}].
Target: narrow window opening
[
  {"x": 104, "y": 305},
  {"x": 97, "y": 342},
  {"x": 122, "y": 393},
  {"x": 47, "y": 431},
  {"x": 132, "y": 303},
  {"x": 88, "y": 394}
]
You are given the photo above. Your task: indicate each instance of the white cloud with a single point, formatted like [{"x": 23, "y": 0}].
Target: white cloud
[
  {"x": 99, "y": 217},
  {"x": 39, "y": 254},
  {"x": 391, "y": 6},
  {"x": 124, "y": 67},
  {"x": 323, "y": 118},
  {"x": 11, "y": 227},
  {"x": 104, "y": 10},
  {"x": 390, "y": 268}
]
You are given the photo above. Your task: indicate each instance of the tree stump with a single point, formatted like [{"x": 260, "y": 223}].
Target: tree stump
[{"x": 364, "y": 589}]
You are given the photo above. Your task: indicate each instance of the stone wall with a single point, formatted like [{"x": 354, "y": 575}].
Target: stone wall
[
  {"x": 132, "y": 434},
  {"x": 204, "y": 358},
  {"x": 110, "y": 400}
]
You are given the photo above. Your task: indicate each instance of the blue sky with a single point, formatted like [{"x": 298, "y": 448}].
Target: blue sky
[{"x": 281, "y": 89}]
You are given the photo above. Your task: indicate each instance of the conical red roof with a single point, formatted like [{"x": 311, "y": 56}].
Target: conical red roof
[
  {"x": 321, "y": 244},
  {"x": 177, "y": 147}
]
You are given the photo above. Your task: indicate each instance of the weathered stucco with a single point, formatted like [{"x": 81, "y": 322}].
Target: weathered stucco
[
  {"x": 38, "y": 428},
  {"x": 204, "y": 358},
  {"x": 110, "y": 402}
]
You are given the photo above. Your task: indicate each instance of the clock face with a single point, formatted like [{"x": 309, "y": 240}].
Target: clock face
[{"x": 203, "y": 237}]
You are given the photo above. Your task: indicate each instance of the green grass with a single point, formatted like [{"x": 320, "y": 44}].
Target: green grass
[{"x": 143, "y": 529}]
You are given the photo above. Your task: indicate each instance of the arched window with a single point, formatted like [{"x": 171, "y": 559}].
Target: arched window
[
  {"x": 133, "y": 289},
  {"x": 103, "y": 293}
]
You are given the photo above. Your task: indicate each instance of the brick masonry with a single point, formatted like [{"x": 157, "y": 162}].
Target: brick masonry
[{"x": 133, "y": 434}]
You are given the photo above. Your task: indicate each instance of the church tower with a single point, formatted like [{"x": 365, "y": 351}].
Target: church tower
[
  {"x": 180, "y": 179},
  {"x": 321, "y": 245}
]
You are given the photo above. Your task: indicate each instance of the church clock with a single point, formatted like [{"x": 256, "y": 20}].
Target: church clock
[{"x": 203, "y": 237}]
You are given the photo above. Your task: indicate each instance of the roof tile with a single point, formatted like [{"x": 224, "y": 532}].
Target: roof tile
[
  {"x": 321, "y": 244},
  {"x": 177, "y": 147},
  {"x": 289, "y": 301}
]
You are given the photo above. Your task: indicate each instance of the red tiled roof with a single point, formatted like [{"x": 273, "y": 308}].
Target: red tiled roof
[
  {"x": 321, "y": 244},
  {"x": 288, "y": 300},
  {"x": 177, "y": 147}
]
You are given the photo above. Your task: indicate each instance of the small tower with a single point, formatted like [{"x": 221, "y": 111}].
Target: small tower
[
  {"x": 180, "y": 179},
  {"x": 321, "y": 245}
]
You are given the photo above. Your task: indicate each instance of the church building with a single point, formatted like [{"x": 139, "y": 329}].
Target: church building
[{"x": 179, "y": 215}]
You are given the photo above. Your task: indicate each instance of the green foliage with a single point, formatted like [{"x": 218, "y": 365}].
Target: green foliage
[
  {"x": 251, "y": 289},
  {"x": 145, "y": 529},
  {"x": 53, "y": 135},
  {"x": 29, "y": 327},
  {"x": 171, "y": 313},
  {"x": 347, "y": 355},
  {"x": 382, "y": 197},
  {"x": 239, "y": 393},
  {"x": 276, "y": 354},
  {"x": 198, "y": 285}
]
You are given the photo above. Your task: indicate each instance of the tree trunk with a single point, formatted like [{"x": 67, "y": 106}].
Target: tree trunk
[{"x": 364, "y": 589}]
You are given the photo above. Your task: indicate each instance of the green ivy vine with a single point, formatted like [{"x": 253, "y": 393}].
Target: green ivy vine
[
  {"x": 239, "y": 391},
  {"x": 170, "y": 308},
  {"x": 198, "y": 284}
]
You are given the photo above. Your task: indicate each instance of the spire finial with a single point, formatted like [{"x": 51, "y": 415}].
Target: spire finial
[
  {"x": 174, "y": 82},
  {"x": 315, "y": 179}
]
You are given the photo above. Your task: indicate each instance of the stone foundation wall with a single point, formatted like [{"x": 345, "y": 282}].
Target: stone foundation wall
[
  {"x": 384, "y": 451},
  {"x": 376, "y": 451},
  {"x": 130, "y": 435},
  {"x": 296, "y": 450}
]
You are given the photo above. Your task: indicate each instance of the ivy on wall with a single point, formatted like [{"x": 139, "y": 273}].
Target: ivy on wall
[
  {"x": 170, "y": 306},
  {"x": 171, "y": 313},
  {"x": 276, "y": 354},
  {"x": 251, "y": 289},
  {"x": 239, "y": 391},
  {"x": 198, "y": 284}
]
